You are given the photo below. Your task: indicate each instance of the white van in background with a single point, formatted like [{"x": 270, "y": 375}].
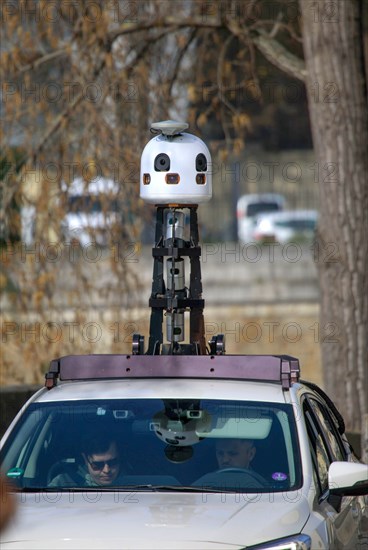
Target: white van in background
[
  {"x": 92, "y": 210},
  {"x": 250, "y": 206}
]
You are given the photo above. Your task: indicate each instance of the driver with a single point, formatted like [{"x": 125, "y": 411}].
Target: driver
[
  {"x": 235, "y": 453},
  {"x": 102, "y": 460},
  {"x": 101, "y": 465}
]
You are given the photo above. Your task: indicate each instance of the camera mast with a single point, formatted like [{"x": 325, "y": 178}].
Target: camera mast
[{"x": 176, "y": 177}]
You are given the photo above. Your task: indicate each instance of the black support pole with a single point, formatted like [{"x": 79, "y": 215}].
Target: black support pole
[{"x": 162, "y": 300}]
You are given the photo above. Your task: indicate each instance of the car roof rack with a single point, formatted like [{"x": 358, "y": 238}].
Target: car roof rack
[{"x": 279, "y": 369}]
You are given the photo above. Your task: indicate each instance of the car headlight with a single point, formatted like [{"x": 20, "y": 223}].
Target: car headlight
[{"x": 296, "y": 542}]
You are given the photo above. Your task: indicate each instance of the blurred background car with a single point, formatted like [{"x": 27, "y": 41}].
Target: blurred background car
[
  {"x": 92, "y": 211},
  {"x": 286, "y": 226},
  {"x": 250, "y": 206}
]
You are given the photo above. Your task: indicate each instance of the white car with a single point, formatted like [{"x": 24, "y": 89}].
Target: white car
[
  {"x": 252, "y": 205},
  {"x": 92, "y": 211},
  {"x": 286, "y": 226},
  {"x": 208, "y": 452}
]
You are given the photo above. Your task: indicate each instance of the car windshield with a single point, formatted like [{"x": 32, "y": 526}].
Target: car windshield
[
  {"x": 262, "y": 208},
  {"x": 92, "y": 204},
  {"x": 154, "y": 444}
]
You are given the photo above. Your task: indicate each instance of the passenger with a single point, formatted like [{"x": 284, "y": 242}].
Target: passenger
[
  {"x": 235, "y": 453},
  {"x": 101, "y": 465}
]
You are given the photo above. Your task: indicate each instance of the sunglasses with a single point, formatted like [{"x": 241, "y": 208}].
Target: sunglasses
[{"x": 99, "y": 465}]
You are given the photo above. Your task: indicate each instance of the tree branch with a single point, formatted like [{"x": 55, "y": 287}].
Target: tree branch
[
  {"x": 179, "y": 58},
  {"x": 220, "y": 65},
  {"x": 44, "y": 59},
  {"x": 275, "y": 52},
  {"x": 279, "y": 56},
  {"x": 162, "y": 23}
]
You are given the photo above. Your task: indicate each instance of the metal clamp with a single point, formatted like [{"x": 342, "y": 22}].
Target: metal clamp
[
  {"x": 138, "y": 344},
  {"x": 217, "y": 344}
]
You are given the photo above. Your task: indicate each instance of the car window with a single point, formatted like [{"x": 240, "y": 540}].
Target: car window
[
  {"x": 318, "y": 448},
  {"x": 297, "y": 225},
  {"x": 157, "y": 442},
  {"x": 330, "y": 432},
  {"x": 92, "y": 204},
  {"x": 262, "y": 208}
]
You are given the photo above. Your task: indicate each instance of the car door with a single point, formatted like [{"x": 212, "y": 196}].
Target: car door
[{"x": 343, "y": 515}]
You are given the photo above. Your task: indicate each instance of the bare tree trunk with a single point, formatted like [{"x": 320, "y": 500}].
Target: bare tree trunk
[{"x": 337, "y": 93}]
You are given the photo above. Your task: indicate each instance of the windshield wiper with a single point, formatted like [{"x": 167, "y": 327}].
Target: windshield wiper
[
  {"x": 142, "y": 487},
  {"x": 50, "y": 489},
  {"x": 171, "y": 488}
]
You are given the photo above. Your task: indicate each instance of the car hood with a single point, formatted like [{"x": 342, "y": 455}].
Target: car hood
[{"x": 137, "y": 520}]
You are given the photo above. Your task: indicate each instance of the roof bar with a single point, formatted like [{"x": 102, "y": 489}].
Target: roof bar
[{"x": 281, "y": 369}]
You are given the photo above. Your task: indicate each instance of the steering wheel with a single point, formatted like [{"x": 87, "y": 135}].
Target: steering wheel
[
  {"x": 235, "y": 470},
  {"x": 251, "y": 473}
]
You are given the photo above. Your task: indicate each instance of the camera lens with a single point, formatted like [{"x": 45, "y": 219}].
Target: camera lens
[
  {"x": 162, "y": 163},
  {"x": 201, "y": 163},
  {"x": 172, "y": 178}
]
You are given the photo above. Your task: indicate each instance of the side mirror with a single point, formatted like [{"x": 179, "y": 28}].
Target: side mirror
[{"x": 348, "y": 479}]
